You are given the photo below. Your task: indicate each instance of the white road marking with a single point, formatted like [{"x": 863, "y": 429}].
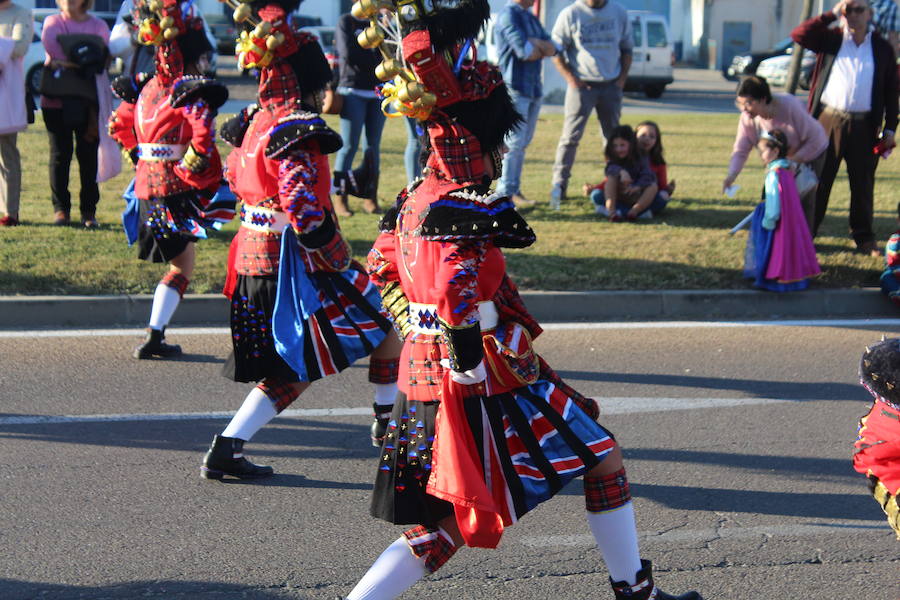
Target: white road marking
[
  {"x": 66, "y": 333},
  {"x": 723, "y": 533},
  {"x": 608, "y": 406}
]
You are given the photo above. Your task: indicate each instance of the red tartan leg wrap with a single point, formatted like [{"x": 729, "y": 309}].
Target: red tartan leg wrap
[
  {"x": 607, "y": 492},
  {"x": 428, "y": 544},
  {"x": 383, "y": 370},
  {"x": 281, "y": 393},
  {"x": 176, "y": 281}
]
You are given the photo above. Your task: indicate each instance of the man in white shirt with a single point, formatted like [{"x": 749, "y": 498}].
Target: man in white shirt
[{"x": 854, "y": 95}]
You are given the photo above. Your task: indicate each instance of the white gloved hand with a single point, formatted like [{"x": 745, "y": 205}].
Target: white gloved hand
[{"x": 470, "y": 377}]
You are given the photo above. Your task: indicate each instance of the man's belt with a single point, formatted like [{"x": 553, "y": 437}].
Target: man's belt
[
  {"x": 258, "y": 218},
  {"x": 424, "y": 317},
  {"x": 161, "y": 152},
  {"x": 850, "y": 115}
]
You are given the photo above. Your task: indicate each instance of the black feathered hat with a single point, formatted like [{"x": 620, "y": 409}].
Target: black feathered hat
[{"x": 879, "y": 369}]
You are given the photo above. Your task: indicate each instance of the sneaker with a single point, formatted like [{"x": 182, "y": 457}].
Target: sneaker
[
  {"x": 521, "y": 202},
  {"x": 8, "y": 221},
  {"x": 556, "y": 196},
  {"x": 601, "y": 210},
  {"x": 647, "y": 214},
  {"x": 60, "y": 218}
]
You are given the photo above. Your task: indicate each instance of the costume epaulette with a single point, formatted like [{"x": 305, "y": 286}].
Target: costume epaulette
[
  {"x": 234, "y": 129},
  {"x": 467, "y": 214},
  {"x": 128, "y": 88},
  {"x": 388, "y": 222},
  {"x": 191, "y": 88},
  {"x": 297, "y": 128}
]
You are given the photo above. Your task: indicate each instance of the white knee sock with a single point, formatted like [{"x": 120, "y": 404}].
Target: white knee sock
[
  {"x": 385, "y": 393},
  {"x": 257, "y": 410},
  {"x": 616, "y": 535},
  {"x": 165, "y": 301},
  {"x": 395, "y": 570}
]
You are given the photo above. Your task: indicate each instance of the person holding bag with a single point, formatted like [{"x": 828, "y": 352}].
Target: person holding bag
[{"x": 70, "y": 109}]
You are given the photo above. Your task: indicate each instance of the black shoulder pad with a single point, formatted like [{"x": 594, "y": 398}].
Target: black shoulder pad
[
  {"x": 190, "y": 88},
  {"x": 128, "y": 88},
  {"x": 388, "y": 222},
  {"x": 467, "y": 215},
  {"x": 293, "y": 131},
  {"x": 233, "y": 129}
]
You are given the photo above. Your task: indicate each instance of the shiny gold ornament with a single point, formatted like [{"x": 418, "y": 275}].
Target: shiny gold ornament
[
  {"x": 370, "y": 37},
  {"x": 410, "y": 92},
  {"x": 170, "y": 34},
  {"x": 167, "y": 22},
  {"x": 274, "y": 41},
  {"x": 388, "y": 69},
  {"x": 366, "y": 9},
  {"x": 242, "y": 13},
  {"x": 262, "y": 30}
]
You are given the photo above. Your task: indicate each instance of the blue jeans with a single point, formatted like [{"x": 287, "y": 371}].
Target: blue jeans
[
  {"x": 412, "y": 152},
  {"x": 359, "y": 112},
  {"x": 598, "y": 199},
  {"x": 516, "y": 142}
]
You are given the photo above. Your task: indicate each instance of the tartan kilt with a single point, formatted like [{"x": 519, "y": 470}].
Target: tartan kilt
[
  {"x": 326, "y": 349},
  {"x": 543, "y": 440},
  {"x": 158, "y": 243}
]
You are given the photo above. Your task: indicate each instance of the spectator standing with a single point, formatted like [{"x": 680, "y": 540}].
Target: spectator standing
[
  {"x": 66, "y": 118},
  {"x": 361, "y": 110},
  {"x": 886, "y": 19},
  {"x": 413, "y": 151},
  {"x": 854, "y": 96},
  {"x": 521, "y": 43},
  {"x": 763, "y": 111},
  {"x": 595, "y": 42},
  {"x": 16, "y": 30}
]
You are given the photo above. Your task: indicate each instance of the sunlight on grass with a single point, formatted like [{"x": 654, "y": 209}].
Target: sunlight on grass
[{"x": 686, "y": 248}]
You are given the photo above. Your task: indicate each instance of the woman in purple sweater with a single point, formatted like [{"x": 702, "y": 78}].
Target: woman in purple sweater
[{"x": 763, "y": 111}]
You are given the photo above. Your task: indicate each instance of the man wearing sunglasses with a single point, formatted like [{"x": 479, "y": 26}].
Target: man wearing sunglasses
[{"x": 854, "y": 95}]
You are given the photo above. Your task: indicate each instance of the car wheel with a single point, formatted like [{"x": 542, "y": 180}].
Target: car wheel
[
  {"x": 654, "y": 91},
  {"x": 33, "y": 79}
]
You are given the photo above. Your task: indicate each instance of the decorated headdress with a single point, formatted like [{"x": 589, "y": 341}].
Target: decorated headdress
[
  {"x": 879, "y": 370},
  {"x": 162, "y": 21},
  {"x": 432, "y": 73},
  {"x": 270, "y": 43}
]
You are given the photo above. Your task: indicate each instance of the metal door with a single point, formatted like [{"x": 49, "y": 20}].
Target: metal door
[{"x": 736, "y": 37}]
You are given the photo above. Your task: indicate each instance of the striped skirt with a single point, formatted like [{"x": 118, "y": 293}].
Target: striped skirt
[
  {"x": 531, "y": 442},
  {"x": 347, "y": 326}
]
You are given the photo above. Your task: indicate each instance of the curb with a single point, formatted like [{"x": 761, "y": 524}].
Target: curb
[{"x": 46, "y": 312}]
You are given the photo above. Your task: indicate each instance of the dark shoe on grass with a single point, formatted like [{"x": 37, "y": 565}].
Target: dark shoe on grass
[
  {"x": 61, "y": 218},
  {"x": 9, "y": 221},
  {"x": 870, "y": 248}
]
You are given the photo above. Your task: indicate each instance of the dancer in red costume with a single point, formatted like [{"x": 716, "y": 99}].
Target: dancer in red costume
[
  {"x": 878, "y": 445},
  {"x": 165, "y": 122},
  {"x": 301, "y": 307},
  {"x": 487, "y": 430}
]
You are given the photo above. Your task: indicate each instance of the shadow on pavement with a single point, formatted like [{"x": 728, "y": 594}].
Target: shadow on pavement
[
  {"x": 11, "y": 589},
  {"x": 754, "y": 387}
]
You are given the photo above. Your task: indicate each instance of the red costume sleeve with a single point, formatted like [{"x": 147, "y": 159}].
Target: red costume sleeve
[
  {"x": 456, "y": 280},
  {"x": 297, "y": 175},
  {"x": 381, "y": 263},
  {"x": 121, "y": 126}
]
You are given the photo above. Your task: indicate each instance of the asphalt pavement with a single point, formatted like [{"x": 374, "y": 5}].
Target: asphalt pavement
[{"x": 737, "y": 443}]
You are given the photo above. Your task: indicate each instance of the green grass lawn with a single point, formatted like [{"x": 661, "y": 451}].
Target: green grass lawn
[{"x": 687, "y": 248}]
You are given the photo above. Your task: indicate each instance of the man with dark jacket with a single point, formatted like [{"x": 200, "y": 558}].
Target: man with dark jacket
[{"x": 854, "y": 95}]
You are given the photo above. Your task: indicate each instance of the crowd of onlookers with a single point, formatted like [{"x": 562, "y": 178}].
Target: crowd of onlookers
[{"x": 850, "y": 117}]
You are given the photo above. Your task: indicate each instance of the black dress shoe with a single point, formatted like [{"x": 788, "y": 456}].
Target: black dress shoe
[
  {"x": 226, "y": 457},
  {"x": 380, "y": 423},
  {"x": 155, "y": 345},
  {"x": 644, "y": 588}
]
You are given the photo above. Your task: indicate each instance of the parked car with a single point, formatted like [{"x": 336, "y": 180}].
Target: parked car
[
  {"x": 746, "y": 64},
  {"x": 325, "y": 35},
  {"x": 653, "y": 56},
  {"x": 34, "y": 61},
  {"x": 775, "y": 69},
  {"x": 224, "y": 30}
]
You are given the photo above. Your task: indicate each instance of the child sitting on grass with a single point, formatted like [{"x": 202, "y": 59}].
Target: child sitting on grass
[
  {"x": 890, "y": 278},
  {"x": 649, "y": 144},
  {"x": 780, "y": 255},
  {"x": 630, "y": 186}
]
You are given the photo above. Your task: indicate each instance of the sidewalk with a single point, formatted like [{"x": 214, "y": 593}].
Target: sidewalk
[{"x": 46, "y": 312}]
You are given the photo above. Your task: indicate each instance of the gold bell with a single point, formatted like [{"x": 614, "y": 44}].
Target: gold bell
[
  {"x": 262, "y": 30},
  {"x": 170, "y": 34},
  {"x": 242, "y": 13},
  {"x": 411, "y": 91},
  {"x": 155, "y": 6},
  {"x": 166, "y": 22},
  {"x": 388, "y": 69},
  {"x": 275, "y": 40},
  {"x": 428, "y": 99},
  {"x": 365, "y": 9},
  {"x": 370, "y": 37}
]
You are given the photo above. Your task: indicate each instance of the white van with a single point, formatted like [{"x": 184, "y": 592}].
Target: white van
[{"x": 653, "y": 55}]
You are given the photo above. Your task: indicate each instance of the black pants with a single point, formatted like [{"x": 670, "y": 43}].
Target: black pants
[
  {"x": 850, "y": 138},
  {"x": 63, "y": 129}
]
